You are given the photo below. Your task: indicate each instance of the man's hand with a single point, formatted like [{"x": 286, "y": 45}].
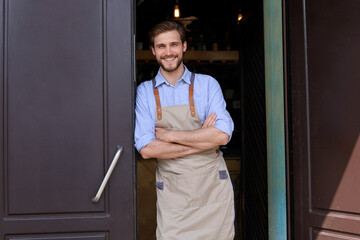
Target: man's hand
[
  {"x": 162, "y": 134},
  {"x": 209, "y": 121}
]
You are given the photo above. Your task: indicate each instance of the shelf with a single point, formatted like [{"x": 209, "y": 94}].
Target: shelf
[{"x": 228, "y": 57}]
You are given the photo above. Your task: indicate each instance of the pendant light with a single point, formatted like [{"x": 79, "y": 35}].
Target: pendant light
[
  {"x": 176, "y": 9},
  {"x": 240, "y": 16}
]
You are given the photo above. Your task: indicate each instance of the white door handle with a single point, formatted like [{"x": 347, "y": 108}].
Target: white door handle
[{"x": 108, "y": 174}]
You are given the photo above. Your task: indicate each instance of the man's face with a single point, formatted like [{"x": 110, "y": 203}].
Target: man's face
[{"x": 169, "y": 51}]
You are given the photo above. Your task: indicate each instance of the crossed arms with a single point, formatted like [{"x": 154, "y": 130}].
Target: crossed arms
[{"x": 173, "y": 144}]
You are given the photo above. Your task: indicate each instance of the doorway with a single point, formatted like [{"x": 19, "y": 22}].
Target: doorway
[{"x": 232, "y": 51}]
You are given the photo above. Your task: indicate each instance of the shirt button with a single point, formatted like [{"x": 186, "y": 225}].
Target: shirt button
[{"x": 174, "y": 91}]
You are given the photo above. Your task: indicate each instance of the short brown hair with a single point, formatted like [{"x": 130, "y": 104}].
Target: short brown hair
[{"x": 166, "y": 26}]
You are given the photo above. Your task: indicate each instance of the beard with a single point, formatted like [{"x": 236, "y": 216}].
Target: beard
[{"x": 171, "y": 69}]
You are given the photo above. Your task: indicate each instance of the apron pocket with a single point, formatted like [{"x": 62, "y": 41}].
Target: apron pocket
[
  {"x": 210, "y": 188},
  {"x": 176, "y": 193},
  {"x": 195, "y": 190}
]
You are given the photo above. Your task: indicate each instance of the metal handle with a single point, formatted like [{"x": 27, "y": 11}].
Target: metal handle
[{"x": 108, "y": 174}]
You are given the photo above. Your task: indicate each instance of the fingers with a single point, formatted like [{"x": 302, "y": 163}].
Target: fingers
[
  {"x": 210, "y": 120},
  {"x": 158, "y": 132},
  {"x": 162, "y": 134}
]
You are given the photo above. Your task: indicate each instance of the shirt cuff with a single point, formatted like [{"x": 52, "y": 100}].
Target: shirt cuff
[
  {"x": 141, "y": 143},
  {"x": 224, "y": 129}
]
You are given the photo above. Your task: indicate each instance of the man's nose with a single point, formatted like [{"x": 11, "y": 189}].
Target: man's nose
[{"x": 168, "y": 50}]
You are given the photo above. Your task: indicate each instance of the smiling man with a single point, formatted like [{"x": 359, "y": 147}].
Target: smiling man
[{"x": 181, "y": 119}]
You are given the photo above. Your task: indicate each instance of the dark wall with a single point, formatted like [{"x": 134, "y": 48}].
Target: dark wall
[{"x": 254, "y": 129}]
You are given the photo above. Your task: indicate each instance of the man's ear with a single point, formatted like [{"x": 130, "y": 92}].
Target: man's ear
[
  {"x": 184, "y": 46},
  {"x": 153, "y": 50}
]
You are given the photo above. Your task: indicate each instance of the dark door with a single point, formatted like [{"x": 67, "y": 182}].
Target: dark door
[
  {"x": 66, "y": 103},
  {"x": 325, "y": 90}
]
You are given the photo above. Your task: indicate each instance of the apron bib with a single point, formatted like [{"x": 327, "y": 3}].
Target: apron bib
[{"x": 195, "y": 199}]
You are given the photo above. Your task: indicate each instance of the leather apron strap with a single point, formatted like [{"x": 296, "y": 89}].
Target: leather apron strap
[
  {"x": 157, "y": 100},
  {"x": 191, "y": 97}
]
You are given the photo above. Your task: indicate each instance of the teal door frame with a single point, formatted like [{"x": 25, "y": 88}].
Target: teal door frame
[{"x": 275, "y": 118}]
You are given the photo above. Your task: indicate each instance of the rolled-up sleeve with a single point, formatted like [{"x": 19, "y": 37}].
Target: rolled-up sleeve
[
  {"x": 217, "y": 105},
  {"x": 144, "y": 122}
]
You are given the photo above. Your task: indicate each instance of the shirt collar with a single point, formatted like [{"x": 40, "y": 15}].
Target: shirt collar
[{"x": 159, "y": 78}]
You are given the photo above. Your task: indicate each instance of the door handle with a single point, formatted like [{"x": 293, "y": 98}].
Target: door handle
[{"x": 108, "y": 174}]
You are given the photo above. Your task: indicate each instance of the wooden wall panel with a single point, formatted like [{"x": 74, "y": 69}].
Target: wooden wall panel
[
  {"x": 325, "y": 86},
  {"x": 49, "y": 78},
  {"x": 57, "y": 236}
]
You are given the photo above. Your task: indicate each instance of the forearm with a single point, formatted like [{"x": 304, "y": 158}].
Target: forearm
[
  {"x": 161, "y": 149},
  {"x": 203, "y": 138}
]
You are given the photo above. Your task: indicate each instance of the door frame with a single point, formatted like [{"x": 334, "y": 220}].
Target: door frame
[{"x": 276, "y": 119}]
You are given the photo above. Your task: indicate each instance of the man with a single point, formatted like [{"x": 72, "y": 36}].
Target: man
[{"x": 181, "y": 119}]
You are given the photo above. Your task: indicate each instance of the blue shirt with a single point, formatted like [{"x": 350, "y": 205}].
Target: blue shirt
[{"x": 208, "y": 98}]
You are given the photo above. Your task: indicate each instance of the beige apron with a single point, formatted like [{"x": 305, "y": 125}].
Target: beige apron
[{"x": 195, "y": 199}]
